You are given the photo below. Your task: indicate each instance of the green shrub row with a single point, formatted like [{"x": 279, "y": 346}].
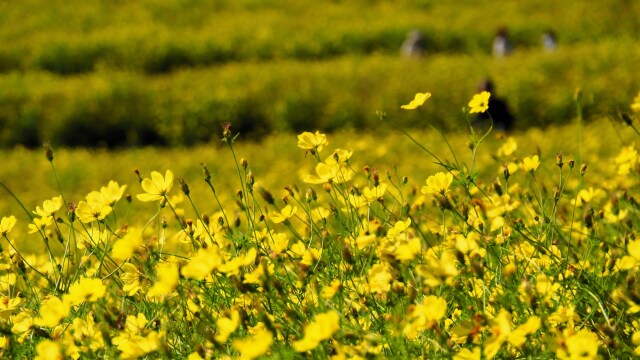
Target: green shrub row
[
  {"x": 157, "y": 37},
  {"x": 188, "y": 107}
]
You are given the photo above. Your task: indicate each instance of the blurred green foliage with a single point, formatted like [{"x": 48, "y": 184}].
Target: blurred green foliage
[{"x": 117, "y": 73}]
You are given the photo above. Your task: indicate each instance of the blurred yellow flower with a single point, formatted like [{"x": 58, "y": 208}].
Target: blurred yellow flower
[
  {"x": 157, "y": 187},
  {"x": 633, "y": 259},
  {"x": 530, "y": 164},
  {"x": 202, "y": 264},
  {"x": 508, "y": 148},
  {"x": 86, "y": 289},
  {"x": 311, "y": 141},
  {"x": 438, "y": 183},
  {"x": 52, "y": 311},
  {"x": 322, "y": 328},
  {"x": 417, "y": 101},
  {"x": 466, "y": 354},
  {"x": 112, "y": 192},
  {"x": 7, "y": 224},
  {"x": 130, "y": 278},
  {"x": 379, "y": 279},
  {"x": 480, "y": 102},
  {"x": 582, "y": 345},
  {"x": 254, "y": 346},
  {"x": 168, "y": 278},
  {"x": 226, "y": 325},
  {"x": 48, "y": 350}
]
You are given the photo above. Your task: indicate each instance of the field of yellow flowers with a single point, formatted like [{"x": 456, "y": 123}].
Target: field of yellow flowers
[{"x": 483, "y": 246}]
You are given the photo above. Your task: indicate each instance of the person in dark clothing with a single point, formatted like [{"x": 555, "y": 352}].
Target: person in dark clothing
[{"x": 498, "y": 111}]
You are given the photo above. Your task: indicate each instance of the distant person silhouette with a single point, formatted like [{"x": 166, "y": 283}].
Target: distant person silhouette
[
  {"x": 498, "y": 111},
  {"x": 549, "y": 41},
  {"x": 501, "y": 43},
  {"x": 414, "y": 45}
]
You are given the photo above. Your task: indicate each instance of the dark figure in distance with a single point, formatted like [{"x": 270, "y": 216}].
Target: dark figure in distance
[
  {"x": 501, "y": 43},
  {"x": 549, "y": 41},
  {"x": 498, "y": 111},
  {"x": 413, "y": 46}
]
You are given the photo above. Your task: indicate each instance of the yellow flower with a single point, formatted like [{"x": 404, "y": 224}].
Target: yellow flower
[
  {"x": 311, "y": 141},
  {"x": 39, "y": 224},
  {"x": 633, "y": 259},
  {"x": 112, "y": 192},
  {"x": 530, "y": 164},
  {"x": 157, "y": 187},
  {"x": 92, "y": 211},
  {"x": 49, "y": 207},
  {"x": 417, "y": 101},
  {"x": 583, "y": 345},
  {"x": 635, "y": 106},
  {"x": 86, "y": 289},
  {"x": 52, "y": 311},
  {"x": 7, "y": 224},
  {"x": 48, "y": 350},
  {"x": 254, "y": 346},
  {"x": 438, "y": 183},
  {"x": 518, "y": 336},
  {"x": 322, "y": 328},
  {"x": 130, "y": 278},
  {"x": 226, "y": 325},
  {"x": 329, "y": 171},
  {"x": 168, "y": 278},
  {"x": 286, "y": 214},
  {"x": 379, "y": 279},
  {"x": 508, "y": 148},
  {"x": 202, "y": 264},
  {"x": 466, "y": 354},
  {"x": 480, "y": 102},
  {"x": 125, "y": 247}
]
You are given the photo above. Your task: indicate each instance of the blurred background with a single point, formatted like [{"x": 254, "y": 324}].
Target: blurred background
[{"x": 115, "y": 73}]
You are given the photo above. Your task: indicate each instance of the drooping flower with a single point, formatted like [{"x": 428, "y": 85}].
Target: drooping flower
[
  {"x": 480, "y": 102},
  {"x": 417, "y": 101},
  {"x": 157, "y": 187}
]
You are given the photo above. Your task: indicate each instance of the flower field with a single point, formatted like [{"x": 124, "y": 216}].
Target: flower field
[{"x": 476, "y": 245}]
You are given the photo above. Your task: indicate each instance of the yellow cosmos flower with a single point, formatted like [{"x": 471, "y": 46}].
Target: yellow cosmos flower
[
  {"x": 89, "y": 211},
  {"x": 508, "y": 148},
  {"x": 112, "y": 192},
  {"x": 480, "y": 102},
  {"x": 635, "y": 105},
  {"x": 311, "y": 141},
  {"x": 52, "y": 311},
  {"x": 254, "y": 346},
  {"x": 530, "y": 164},
  {"x": 226, "y": 325},
  {"x": 582, "y": 345},
  {"x": 157, "y": 187},
  {"x": 130, "y": 278},
  {"x": 86, "y": 289},
  {"x": 202, "y": 264},
  {"x": 168, "y": 278},
  {"x": 466, "y": 354},
  {"x": 48, "y": 350},
  {"x": 49, "y": 207},
  {"x": 286, "y": 214},
  {"x": 39, "y": 224},
  {"x": 417, "y": 101},
  {"x": 7, "y": 224},
  {"x": 322, "y": 328},
  {"x": 379, "y": 279},
  {"x": 438, "y": 183}
]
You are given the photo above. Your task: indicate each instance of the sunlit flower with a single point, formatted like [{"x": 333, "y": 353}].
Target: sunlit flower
[
  {"x": 285, "y": 214},
  {"x": 167, "y": 282},
  {"x": 253, "y": 346},
  {"x": 6, "y": 225},
  {"x": 86, "y": 289},
  {"x": 52, "y": 311},
  {"x": 48, "y": 350},
  {"x": 112, "y": 192},
  {"x": 582, "y": 345},
  {"x": 89, "y": 211},
  {"x": 40, "y": 224},
  {"x": 438, "y": 183},
  {"x": 321, "y": 328},
  {"x": 157, "y": 187},
  {"x": 130, "y": 278},
  {"x": 530, "y": 164},
  {"x": 417, "y": 101},
  {"x": 311, "y": 141},
  {"x": 480, "y": 102},
  {"x": 49, "y": 207}
]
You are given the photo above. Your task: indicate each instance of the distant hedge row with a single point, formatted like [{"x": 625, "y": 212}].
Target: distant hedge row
[{"x": 114, "y": 108}]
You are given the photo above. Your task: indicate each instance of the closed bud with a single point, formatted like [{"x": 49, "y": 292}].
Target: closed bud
[
  {"x": 311, "y": 195},
  {"x": 559, "y": 160},
  {"x": 505, "y": 172},
  {"x": 626, "y": 118},
  {"x": 205, "y": 173},
  {"x": 137, "y": 172},
  {"x": 184, "y": 186},
  {"x": 267, "y": 196},
  {"x": 48, "y": 151},
  {"x": 244, "y": 163},
  {"x": 572, "y": 163},
  {"x": 583, "y": 169}
]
